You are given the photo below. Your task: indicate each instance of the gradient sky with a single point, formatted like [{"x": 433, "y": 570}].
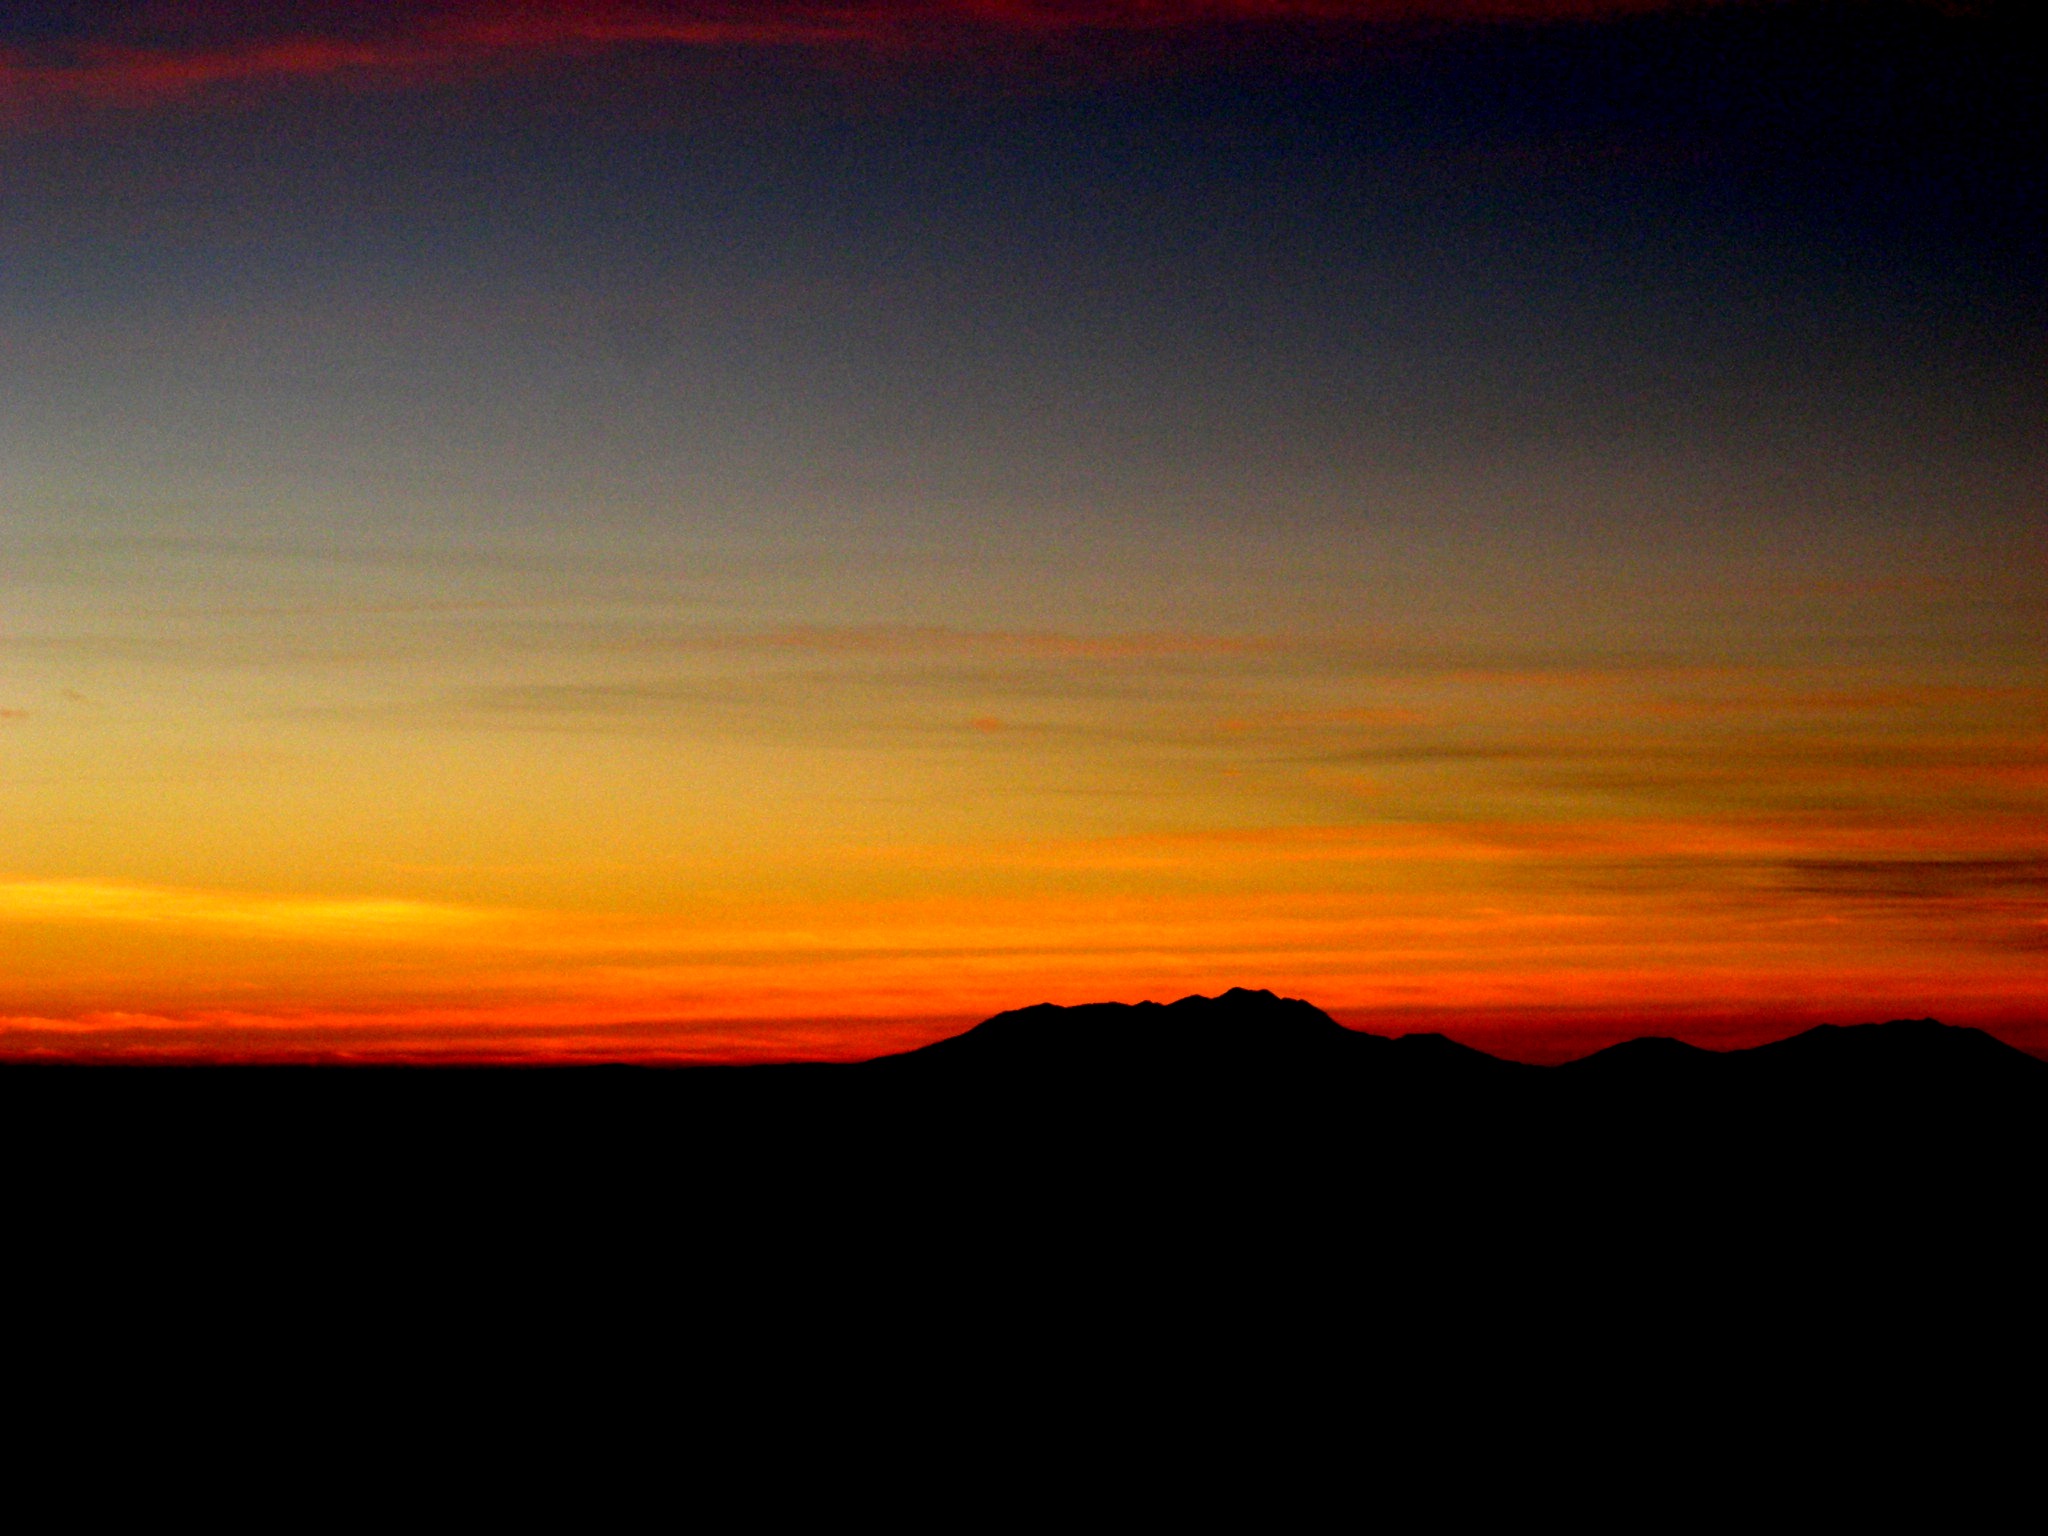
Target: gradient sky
[{"x": 727, "y": 531}]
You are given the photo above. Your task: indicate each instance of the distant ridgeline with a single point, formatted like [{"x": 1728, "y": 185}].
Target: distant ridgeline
[
  {"x": 1238, "y": 1080},
  {"x": 1207, "y": 1145},
  {"x": 1250, "y": 1067},
  {"x": 1244, "y": 1039}
]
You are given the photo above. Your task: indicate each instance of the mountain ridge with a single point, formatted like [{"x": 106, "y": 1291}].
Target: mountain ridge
[
  {"x": 1243, "y": 1018},
  {"x": 1248, "y": 1112}
]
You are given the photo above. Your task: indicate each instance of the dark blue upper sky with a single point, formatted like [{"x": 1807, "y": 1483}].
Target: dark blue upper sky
[{"x": 1237, "y": 267}]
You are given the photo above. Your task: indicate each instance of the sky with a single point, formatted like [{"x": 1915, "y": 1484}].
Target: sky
[{"x": 679, "y": 531}]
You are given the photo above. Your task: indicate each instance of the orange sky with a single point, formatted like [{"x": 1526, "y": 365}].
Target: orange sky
[
  {"x": 629, "y": 530},
  {"x": 1525, "y": 857}
]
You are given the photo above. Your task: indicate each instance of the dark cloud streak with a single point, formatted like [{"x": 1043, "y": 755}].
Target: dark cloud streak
[
  {"x": 157, "y": 54},
  {"x": 2024, "y": 878}
]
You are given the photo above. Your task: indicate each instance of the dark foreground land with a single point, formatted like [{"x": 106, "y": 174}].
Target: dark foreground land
[
  {"x": 1246, "y": 1103},
  {"x": 1229, "y": 1202}
]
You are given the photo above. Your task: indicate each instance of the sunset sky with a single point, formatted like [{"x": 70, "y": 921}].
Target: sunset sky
[{"x": 664, "y": 529}]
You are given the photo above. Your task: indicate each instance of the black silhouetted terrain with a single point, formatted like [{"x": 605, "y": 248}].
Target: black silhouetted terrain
[
  {"x": 1233, "y": 1185},
  {"x": 1239, "y": 1088},
  {"x": 1278, "y": 1070},
  {"x": 1239, "y": 1039}
]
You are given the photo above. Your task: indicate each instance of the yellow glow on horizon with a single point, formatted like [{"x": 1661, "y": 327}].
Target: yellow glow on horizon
[{"x": 92, "y": 902}]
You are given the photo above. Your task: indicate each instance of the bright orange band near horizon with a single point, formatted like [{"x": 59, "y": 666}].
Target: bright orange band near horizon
[{"x": 1535, "y": 860}]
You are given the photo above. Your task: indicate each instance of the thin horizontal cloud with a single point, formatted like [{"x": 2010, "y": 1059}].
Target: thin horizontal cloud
[
  {"x": 1756, "y": 842},
  {"x": 1281, "y": 720},
  {"x": 182, "y": 910},
  {"x": 940, "y": 643},
  {"x": 1842, "y": 702},
  {"x": 749, "y": 670},
  {"x": 935, "y": 642},
  {"x": 1923, "y": 879},
  {"x": 550, "y": 700},
  {"x": 179, "y": 51}
]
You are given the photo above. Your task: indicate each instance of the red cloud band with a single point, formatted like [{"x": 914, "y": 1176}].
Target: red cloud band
[{"x": 194, "y": 48}]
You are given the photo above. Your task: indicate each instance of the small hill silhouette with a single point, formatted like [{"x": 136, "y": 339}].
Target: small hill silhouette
[
  {"x": 1240, "y": 1025},
  {"x": 1241, "y": 1035}
]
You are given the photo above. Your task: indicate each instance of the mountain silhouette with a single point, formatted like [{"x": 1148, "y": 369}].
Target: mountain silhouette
[
  {"x": 1240, "y": 1036},
  {"x": 1246, "y": 1097},
  {"x": 1246, "y": 1040},
  {"x": 1269, "y": 1103}
]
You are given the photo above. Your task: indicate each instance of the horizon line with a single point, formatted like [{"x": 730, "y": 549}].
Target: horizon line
[{"x": 605, "y": 1047}]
